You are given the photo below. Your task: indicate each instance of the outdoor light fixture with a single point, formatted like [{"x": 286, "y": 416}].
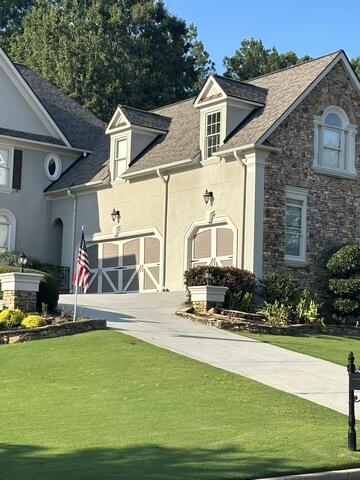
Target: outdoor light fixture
[
  {"x": 115, "y": 215},
  {"x": 22, "y": 260},
  {"x": 208, "y": 196},
  {"x": 207, "y": 276}
]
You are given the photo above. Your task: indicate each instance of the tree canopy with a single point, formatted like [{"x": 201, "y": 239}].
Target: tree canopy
[
  {"x": 253, "y": 59},
  {"x": 11, "y": 16},
  {"x": 107, "y": 52}
]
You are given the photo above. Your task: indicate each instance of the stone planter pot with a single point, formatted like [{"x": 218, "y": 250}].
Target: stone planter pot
[{"x": 205, "y": 297}]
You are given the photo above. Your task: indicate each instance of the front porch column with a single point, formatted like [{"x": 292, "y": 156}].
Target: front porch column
[{"x": 254, "y": 211}]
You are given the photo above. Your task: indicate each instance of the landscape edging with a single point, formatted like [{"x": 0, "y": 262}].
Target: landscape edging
[
  {"x": 21, "y": 335},
  {"x": 351, "y": 474}
]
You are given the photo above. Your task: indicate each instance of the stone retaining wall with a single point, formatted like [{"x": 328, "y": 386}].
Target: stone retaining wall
[
  {"x": 50, "y": 331},
  {"x": 233, "y": 323}
]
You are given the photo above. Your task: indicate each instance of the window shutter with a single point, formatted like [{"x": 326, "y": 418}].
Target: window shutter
[{"x": 16, "y": 184}]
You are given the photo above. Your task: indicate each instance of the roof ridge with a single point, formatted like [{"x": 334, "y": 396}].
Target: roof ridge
[
  {"x": 142, "y": 110},
  {"x": 238, "y": 81},
  {"x": 174, "y": 103},
  {"x": 293, "y": 66}
]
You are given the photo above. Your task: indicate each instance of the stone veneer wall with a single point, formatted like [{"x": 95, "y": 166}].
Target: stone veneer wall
[
  {"x": 25, "y": 301},
  {"x": 333, "y": 214}
]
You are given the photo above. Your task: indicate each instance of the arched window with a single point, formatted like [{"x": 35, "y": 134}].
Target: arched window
[
  {"x": 7, "y": 231},
  {"x": 335, "y": 142}
]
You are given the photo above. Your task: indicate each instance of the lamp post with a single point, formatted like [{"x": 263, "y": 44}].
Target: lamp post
[{"x": 22, "y": 260}]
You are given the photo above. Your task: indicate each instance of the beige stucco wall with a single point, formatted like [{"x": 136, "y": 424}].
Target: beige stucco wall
[
  {"x": 141, "y": 205},
  {"x": 29, "y": 205}
]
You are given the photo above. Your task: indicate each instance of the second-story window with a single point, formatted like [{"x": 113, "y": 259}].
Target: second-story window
[
  {"x": 4, "y": 167},
  {"x": 120, "y": 164},
  {"x": 212, "y": 133}
]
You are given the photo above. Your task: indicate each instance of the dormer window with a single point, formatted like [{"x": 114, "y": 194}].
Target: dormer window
[
  {"x": 334, "y": 138},
  {"x": 213, "y": 129},
  {"x": 120, "y": 163}
]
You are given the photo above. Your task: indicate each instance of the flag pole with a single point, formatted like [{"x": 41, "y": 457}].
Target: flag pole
[{"x": 76, "y": 282}]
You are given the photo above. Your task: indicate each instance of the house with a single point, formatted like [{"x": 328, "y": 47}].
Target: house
[{"x": 262, "y": 175}]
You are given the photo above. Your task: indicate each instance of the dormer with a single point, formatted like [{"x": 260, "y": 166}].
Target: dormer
[
  {"x": 131, "y": 131},
  {"x": 223, "y": 104}
]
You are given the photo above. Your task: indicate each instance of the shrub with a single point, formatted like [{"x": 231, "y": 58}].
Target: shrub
[
  {"x": 345, "y": 261},
  {"x": 33, "y": 321},
  {"x": 48, "y": 289},
  {"x": 276, "y": 314},
  {"x": 11, "y": 318},
  {"x": 345, "y": 287},
  {"x": 346, "y": 306},
  {"x": 278, "y": 288},
  {"x": 234, "y": 301},
  {"x": 237, "y": 280},
  {"x": 11, "y": 258}
]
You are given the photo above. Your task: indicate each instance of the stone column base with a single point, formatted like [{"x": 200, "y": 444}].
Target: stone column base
[
  {"x": 25, "y": 301},
  {"x": 203, "y": 306}
]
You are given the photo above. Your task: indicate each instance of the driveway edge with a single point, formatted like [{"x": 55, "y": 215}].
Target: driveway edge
[{"x": 351, "y": 474}]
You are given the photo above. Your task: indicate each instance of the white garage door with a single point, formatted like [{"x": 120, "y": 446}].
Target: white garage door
[
  {"x": 131, "y": 265},
  {"x": 213, "y": 246}
]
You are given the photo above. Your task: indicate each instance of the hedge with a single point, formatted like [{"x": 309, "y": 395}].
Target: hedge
[
  {"x": 237, "y": 280},
  {"x": 48, "y": 289},
  {"x": 345, "y": 287},
  {"x": 346, "y": 306},
  {"x": 345, "y": 261}
]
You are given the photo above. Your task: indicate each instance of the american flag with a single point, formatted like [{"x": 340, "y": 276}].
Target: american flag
[{"x": 82, "y": 271}]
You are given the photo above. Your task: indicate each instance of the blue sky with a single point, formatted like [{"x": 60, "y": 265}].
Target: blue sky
[{"x": 313, "y": 27}]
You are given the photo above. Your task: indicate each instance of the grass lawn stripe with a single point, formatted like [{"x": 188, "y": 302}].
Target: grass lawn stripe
[{"x": 103, "y": 405}]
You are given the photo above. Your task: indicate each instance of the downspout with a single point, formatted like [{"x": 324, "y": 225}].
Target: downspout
[
  {"x": 239, "y": 159},
  {"x": 165, "y": 180},
  {"x": 74, "y": 196}
]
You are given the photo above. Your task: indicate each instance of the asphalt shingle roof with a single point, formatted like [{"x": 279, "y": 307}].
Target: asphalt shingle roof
[
  {"x": 181, "y": 141},
  {"x": 30, "y": 136},
  {"x": 81, "y": 127},
  {"x": 242, "y": 90},
  {"x": 146, "y": 119},
  {"x": 283, "y": 87},
  {"x": 94, "y": 167}
]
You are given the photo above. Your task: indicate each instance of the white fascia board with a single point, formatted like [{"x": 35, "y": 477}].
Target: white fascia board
[
  {"x": 36, "y": 145},
  {"x": 167, "y": 166},
  {"x": 237, "y": 102},
  {"x": 210, "y": 80},
  {"x": 117, "y": 114},
  {"x": 248, "y": 147},
  {"x": 31, "y": 98},
  {"x": 340, "y": 57},
  {"x": 85, "y": 186}
]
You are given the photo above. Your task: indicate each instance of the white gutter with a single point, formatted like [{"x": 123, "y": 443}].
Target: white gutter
[
  {"x": 55, "y": 146},
  {"x": 71, "y": 195},
  {"x": 83, "y": 186},
  {"x": 165, "y": 215},
  {"x": 155, "y": 169},
  {"x": 250, "y": 146}
]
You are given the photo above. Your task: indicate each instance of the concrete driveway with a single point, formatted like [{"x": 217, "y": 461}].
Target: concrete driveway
[{"x": 150, "y": 317}]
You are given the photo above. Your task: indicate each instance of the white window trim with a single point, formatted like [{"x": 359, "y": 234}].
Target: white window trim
[
  {"x": 114, "y": 140},
  {"x": 222, "y": 108},
  {"x": 12, "y": 227},
  {"x": 348, "y": 151},
  {"x": 4, "y": 188},
  {"x": 58, "y": 167},
  {"x": 298, "y": 194}
]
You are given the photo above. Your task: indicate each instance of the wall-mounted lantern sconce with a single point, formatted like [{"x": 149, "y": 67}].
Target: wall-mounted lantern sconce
[
  {"x": 208, "y": 197},
  {"x": 22, "y": 260},
  {"x": 115, "y": 215}
]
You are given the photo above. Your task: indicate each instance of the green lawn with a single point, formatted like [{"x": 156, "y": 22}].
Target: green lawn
[
  {"x": 328, "y": 347},
  {"x": 103, "y": 406}
]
